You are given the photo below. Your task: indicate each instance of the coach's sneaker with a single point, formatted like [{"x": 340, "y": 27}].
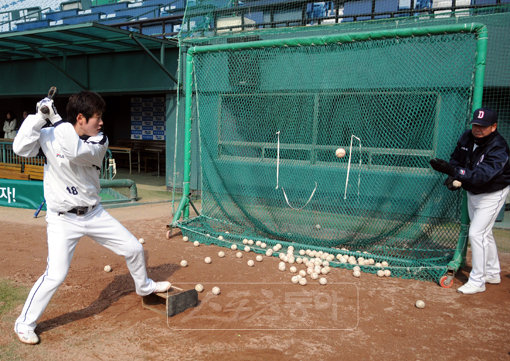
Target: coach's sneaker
[
  {"x": 493, "y": 280},
  {"x": 469, "y": 289},
  {"x": 162, "y": 287},
  {"x": 28, "y": 337}
]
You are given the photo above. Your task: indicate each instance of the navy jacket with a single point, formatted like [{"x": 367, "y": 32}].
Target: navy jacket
[{"x": 487, "y": 168}]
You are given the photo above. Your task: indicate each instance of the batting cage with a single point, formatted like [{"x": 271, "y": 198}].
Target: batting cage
[{"x": 272, "y": 113}]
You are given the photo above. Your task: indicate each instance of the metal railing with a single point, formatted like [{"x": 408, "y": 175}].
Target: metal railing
[{"x": 7, "y": 155}]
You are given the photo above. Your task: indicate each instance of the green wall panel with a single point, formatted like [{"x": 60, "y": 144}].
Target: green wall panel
[{"x": 104, "y": 73}]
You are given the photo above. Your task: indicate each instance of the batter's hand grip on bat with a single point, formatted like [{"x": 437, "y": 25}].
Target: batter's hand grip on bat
[{"x": 51, "y": 94}]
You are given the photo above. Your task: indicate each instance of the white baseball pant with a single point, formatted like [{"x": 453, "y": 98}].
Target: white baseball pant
[
  {"x": 483, "y": 210},
  {"x": 64, "y": 232}
]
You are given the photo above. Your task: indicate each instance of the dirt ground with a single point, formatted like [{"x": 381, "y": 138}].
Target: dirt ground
[{"x": 259, "y": 314}]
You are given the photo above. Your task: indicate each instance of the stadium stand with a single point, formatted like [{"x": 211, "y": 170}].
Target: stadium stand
[
  {"x": 109, "y": 8},
  {"x": 140, "y": 12},
  {"x": 80, "y": 19},
  {"x": 29, "y": 25},
  {"x": 59, "y": 15}
]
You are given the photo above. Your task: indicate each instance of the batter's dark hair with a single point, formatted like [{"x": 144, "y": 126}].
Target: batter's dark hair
[{"x": 86, "y": 103}]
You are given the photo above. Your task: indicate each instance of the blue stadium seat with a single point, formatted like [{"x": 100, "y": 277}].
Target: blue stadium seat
[
  {"x": 29, "y": 25},
  {"x": 155, "y": 2},
  {"x": 148, "y": 12},
  {"x": 58, "y": 15},
  {"x": 383, "y": 6},
  {"x": 154, "y": 29},
  {"x": 175, "y": 5},
  {"x": 80, "y": 19},
  {"x": 108, "y": 8},
  {"x": 357, "y": 7},
  {"x": 115, "y": 20}
]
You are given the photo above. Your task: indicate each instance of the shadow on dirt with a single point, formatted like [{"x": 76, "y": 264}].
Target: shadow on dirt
[{"x": 121, "y": 286}]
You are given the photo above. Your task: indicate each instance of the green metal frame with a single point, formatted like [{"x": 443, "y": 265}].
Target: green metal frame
[{"x": 480, "y": 30}]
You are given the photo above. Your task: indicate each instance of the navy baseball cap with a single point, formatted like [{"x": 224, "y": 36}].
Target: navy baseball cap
[{"x": 484, "y": 117}]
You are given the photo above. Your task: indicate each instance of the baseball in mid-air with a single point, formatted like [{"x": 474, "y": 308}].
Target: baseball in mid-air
[
  {"x": 420, "y": 304},
  {"x": 216, "y": 290},
  {"x": 340, "y": 152},
  {"x": 107, "y": 268},
  {"x": 199, "y": 288}
]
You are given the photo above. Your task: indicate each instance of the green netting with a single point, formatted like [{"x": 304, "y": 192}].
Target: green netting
[{"x": 271, "y": 115}]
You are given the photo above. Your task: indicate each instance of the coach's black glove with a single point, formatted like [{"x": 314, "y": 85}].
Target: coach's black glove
[
  {"x": 442, "y": 166},
  {"x": 449, "y": 184}
]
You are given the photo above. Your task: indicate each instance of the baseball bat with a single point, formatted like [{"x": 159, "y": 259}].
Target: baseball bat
[
  {"x": 39, "y": 209},
  {"x": 51, "y": 94}
]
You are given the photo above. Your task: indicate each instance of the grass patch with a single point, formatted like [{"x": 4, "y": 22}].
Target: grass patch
[{"x": 11, "y": 295}]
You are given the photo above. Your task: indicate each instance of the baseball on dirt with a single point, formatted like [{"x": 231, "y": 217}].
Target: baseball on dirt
[
  {"x": 420, "y": 304},
  {"x": 340, "y": 152},
  {"x": 196, "y": 243},
  {"x": 184, "y": 263},
  {"x": 141, "y": 240},
  {"x": 221, "y": 254},
  {"x": 251, "y": 263},
  {"x": 323, "y": 281},
  {"x": 216, "y": 290},
  {"x": 107, "y": 268},
  {"x": 185, "y": 238},
  {"x": 199, "y": 288},
  {"x": 207, "y": 260}
]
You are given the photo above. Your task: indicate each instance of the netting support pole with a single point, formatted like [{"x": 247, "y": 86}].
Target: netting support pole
[
  {"x": 459, "y": 257},
  {"x": 183, "y": 208}
]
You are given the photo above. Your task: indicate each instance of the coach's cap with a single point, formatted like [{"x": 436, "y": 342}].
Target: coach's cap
[{"x": 484, "y": 117}]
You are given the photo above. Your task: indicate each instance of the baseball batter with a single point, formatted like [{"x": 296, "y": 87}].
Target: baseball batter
[{"x": 74, "y": 153}]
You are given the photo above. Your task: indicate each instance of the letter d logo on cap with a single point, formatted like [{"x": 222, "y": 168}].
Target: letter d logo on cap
[{"x": 480, "y": 114}]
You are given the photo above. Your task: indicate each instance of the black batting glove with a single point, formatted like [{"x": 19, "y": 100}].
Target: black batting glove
[
  {"x": 442, "y": 166},
  {"x": 449, "y": 184}
]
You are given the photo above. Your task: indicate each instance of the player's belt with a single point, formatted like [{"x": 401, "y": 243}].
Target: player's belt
[{"x": 80, "y": 211}]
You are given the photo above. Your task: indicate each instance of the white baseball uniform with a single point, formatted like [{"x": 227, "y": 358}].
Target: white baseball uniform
[
  {"x": 71, "y": 190},
  {"x": 483, "y": 210}
]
